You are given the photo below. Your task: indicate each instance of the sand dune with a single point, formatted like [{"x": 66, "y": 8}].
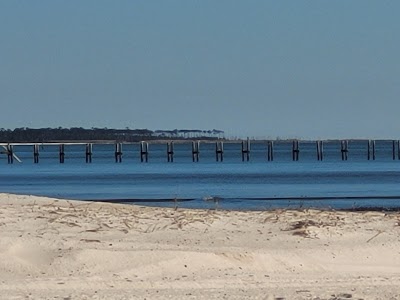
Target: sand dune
[{"x": 58, "y": 249}]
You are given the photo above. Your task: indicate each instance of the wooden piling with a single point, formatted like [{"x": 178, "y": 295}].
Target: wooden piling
[
  {"x": 170, "y": 151},
  {"x": 398, "y": 149},
  {"x": 270, "y": 151},
  {"x": 89, "y": 152},
  {"x": 62, "y": 153},
  {"x": 219, "y": 151},
  {"x": 344, "y": 149},
  {"x": 10, "y": 154},
  {"x": 394, "y": 150},
  {"x": 144, "y": 151},
  {"x": 295, "y": 150},
  {"x": 320, "y": 150},
  {"x": 371, "y": 149},
  {"x": 394, "y": 143},
  {"x": 35, "y": 153},
  {"x": 246, "y": 150},
  {"x": 195, "y": 151},
  {"x": 118, "y": 152}
]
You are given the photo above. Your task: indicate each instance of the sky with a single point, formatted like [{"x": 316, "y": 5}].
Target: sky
[{"x": 264, "y": 69}]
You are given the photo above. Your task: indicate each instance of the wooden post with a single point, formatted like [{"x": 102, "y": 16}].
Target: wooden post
[
  {"x": 295, "y": 150},
  {"x": 270, "y": 154},
  {"x": 394, "y": 150},
  {"x": 243, "y": 150},
  {"x": 246, "y": 150},
  {"x": 89, "y": 152},
  {"x": 219, "y": 151},
  {"x": 170, "y": 152},
  {"x": 144, "y": 151},
  {"x": 195, "y": 151},
  {"x": 320, "y": 150},
  {"x": 344, "y": 149},
  {"x": 10, "y": 154},
  {"x": 369, "y": 150},
  {"x": 35, "y": 153},
  {"x": 118, "y": 152},
  {"x": 62, "y": 153},
  {"x": 398, "y": 149},
  {"x": 373, "y": 149}
]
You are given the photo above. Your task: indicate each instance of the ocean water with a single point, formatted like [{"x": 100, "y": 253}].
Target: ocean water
[{"x": 232, "y": 184}]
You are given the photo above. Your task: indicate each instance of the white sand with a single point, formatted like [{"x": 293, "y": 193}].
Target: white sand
[{"x": 57, "y": 249}]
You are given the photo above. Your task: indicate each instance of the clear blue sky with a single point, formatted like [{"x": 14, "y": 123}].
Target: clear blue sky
[{"x": 307, "y": 69}]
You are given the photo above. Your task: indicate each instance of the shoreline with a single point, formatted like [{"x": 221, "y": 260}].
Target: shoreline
[
  {"x": 177, "y": 201},
  {"x": 69, "y": 249}
]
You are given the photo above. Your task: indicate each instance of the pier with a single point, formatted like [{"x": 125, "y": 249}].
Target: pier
[{"x": 270, "y": 150}]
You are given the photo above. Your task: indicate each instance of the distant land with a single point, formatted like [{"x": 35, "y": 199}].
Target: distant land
[{"x": 42, "y": 135}]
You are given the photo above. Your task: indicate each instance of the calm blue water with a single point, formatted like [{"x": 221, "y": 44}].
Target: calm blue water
[{"x": 239, "y": 185}]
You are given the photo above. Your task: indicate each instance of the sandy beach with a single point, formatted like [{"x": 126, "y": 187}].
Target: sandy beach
[{"x": 59, "y": 249}]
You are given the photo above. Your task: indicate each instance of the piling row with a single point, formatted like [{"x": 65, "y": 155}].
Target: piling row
[{"x": 219, "y": 151}]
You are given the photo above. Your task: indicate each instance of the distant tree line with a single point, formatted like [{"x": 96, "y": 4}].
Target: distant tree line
[{"x": 39, "y": 135}]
